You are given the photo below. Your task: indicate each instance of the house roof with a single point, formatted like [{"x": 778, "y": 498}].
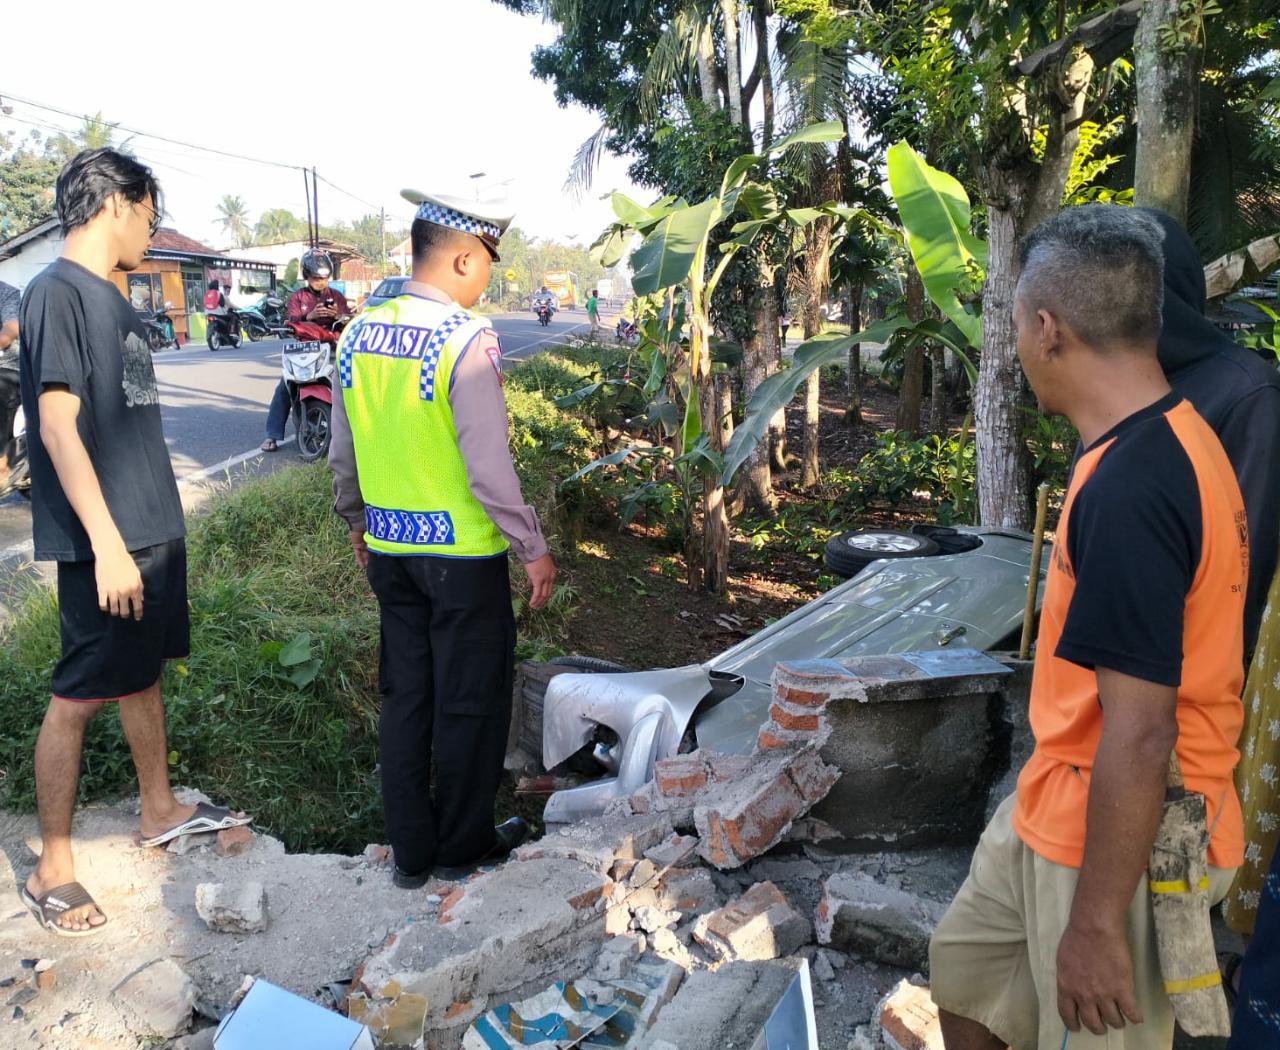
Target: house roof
[
  {"x": 170, "y": 240},
  {"x": 11, "y": 247}
]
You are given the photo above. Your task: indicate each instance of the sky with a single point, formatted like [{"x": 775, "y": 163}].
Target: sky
[{"x": 423, "y": 95}]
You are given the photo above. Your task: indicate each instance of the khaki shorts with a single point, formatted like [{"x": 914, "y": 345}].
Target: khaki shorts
[{"x": 994, "y": 955}]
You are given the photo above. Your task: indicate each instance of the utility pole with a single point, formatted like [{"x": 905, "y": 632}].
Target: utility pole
[{"x": 382, "y": 224}]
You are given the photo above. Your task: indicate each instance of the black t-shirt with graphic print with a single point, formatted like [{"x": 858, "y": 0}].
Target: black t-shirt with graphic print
[{"x": 78, "y": 331}]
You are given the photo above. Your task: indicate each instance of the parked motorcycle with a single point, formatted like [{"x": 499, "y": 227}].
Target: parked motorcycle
[
  {"x": 223, "y": 329},
  {"x": 15, "y": 442},
  {"x": 307, "y": 367},
  {"x": 264, "y": 319},
  {"x": 159, "y": 328},
  {"x": 627, "y": 332}
]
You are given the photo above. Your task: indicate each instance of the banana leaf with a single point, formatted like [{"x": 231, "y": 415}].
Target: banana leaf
[{"x": 935, "y": 213}]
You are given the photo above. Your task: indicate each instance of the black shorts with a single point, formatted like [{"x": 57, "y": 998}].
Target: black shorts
[{"x": 107, "y": 657}]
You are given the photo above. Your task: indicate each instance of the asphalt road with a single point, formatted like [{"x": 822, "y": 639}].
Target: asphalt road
[{"x": 214, "y": 407}]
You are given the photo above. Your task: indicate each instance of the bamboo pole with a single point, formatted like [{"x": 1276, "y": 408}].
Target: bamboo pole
[{"x": 1033, "y": 578}]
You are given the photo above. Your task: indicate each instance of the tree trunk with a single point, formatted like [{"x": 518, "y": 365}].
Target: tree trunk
[
  {"x": 1002, "y": 471},
  {"x": 911, "y": 393},
  {"x": 854, "y": 314},
  {"x": 760, "y": 12},
  {"x": 938, "y": 389},
  {"x": 777, "y": 425},
  {"x": 756, "y": 487},
  {"x": 729, "y": 11},
  {"x": 1167, "y": 90},
  {"x": 707, "y": 67},
  {"x": 715, "y": 517},
  {"x": 817, "y": 274}
]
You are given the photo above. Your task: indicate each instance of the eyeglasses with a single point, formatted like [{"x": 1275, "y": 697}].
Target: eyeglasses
[{"x": 154, "y": 224}]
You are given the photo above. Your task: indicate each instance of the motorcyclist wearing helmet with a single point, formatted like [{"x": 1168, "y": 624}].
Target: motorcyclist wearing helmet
[{"x": 316, "y": 302}]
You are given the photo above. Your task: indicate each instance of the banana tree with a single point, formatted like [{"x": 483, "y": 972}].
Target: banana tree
[
  {"x": 676, "y": 251},
  {"x": 935, "y": 215}
]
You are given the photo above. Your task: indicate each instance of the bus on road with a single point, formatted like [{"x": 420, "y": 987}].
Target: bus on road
[{"x": 564, "y": 284}]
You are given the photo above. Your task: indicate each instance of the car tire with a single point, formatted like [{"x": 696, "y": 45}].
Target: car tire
[
  {"x": 848, "y": 553},
  {"x": 531, "y": 682}
]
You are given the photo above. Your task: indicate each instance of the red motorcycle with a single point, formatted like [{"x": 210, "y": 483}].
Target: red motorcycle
[{"x": 307, "y": 366}]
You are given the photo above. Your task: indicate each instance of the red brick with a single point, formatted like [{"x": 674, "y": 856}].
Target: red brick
[
  {"x": 590, "y": 898},
  {"x": 800, "y": 697},
  {"x": 769, "y": 740},
  {"x": 234, "y": 841},
  {"x": 812, "y": 777},
  {"x": 45, "y": 980},
  {"x": 909, "y": 1017},
  {"x": 796, "y": 723},
  {"x": 681, "y": 776},
  {"x": 449, "y": 903},
  {"x": 725, "y": 768}
]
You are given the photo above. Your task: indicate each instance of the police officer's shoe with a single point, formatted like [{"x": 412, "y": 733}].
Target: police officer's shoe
[
  {"x": 507, "y": 836},
  {"x": 409, "y": 882}
]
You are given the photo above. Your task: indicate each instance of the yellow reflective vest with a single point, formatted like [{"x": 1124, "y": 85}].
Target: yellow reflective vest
[{"x": 395, "y": 369}]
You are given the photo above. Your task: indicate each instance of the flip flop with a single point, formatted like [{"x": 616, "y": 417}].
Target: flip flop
[
  {"x": 205, "y": 818},
  {"x": 270, "y": 445},
  {"x": 58, "y": 901}
]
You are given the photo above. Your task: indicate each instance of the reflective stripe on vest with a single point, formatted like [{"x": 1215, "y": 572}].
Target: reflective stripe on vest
[{"x": 395, "y": 368}]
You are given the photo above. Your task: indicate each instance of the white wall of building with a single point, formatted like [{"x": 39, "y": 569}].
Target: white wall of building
[{"x": 34, "y": 257}]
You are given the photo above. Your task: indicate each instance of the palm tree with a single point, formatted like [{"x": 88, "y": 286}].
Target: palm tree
[
  {"x": 233, "y": 214},
  {"x": 276, "y": 225},
  {"x": 95, "y": 133}
]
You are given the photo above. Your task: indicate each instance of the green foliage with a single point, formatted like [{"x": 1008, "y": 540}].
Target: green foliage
[
  {"x": 1052, "y": 442},
  {"x": 938, "y": 469},
  {"x": 27, "y": 175},
  {"x": 935, "y": 214}
]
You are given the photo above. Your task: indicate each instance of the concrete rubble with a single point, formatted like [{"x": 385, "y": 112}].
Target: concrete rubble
[
  {"x": 759, "y": 925},
  {"x": 158, "y": 999},
  {"x": 859, "y": 914},
  {"x": 232, "y": 909},
  {"x": 710, "y": 885}
]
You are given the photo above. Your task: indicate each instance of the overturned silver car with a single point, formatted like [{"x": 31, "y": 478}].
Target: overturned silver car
[{"x": 965, "y": 586}]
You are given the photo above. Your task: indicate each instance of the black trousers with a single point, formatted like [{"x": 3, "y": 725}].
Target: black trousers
[{"x": 446, "y": 667}]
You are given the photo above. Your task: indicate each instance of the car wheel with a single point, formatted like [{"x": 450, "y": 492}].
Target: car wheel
[
  {"x": 532, "y": 679},
  {"x": 850, "y": 552}
]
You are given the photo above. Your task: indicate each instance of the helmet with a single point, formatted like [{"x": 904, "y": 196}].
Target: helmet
[{"x": 316, "y": 263}]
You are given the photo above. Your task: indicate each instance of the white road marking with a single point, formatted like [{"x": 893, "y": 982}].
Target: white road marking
[{"x": 529, "y": 346}]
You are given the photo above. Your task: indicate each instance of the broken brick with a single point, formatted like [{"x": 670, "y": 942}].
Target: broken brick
[
  {"x": 45, "y": 980},
  {"x": 676, "y": 849},
  {"x": 681, "y": 776},
  {"x": 691, "y": 891},
  {"x": 796, "y": 697},
  {"x": 750, "y": 816},
  {"x": 797, "y": 723},
  {"x": 447, "y": 905},
  {"x": 909, "y": 1020},
  {"x": 761, "y": 924},
  {"x": 234, "y": 841},
  {"x": 858, "y": 914}
]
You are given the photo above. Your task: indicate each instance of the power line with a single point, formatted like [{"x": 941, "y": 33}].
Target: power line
[{"x": 151, "y": 135}]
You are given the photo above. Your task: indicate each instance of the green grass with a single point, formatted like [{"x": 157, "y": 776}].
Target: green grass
[{"x": 276, "y": 709}]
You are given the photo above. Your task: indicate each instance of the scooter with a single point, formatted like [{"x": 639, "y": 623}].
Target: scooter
[
  {"x": 307, "y": 368},
  {"x": 159, "y": 329},
  {"x": 223, "y": 329},
  {"x": 264, "y": 319},
  {"x": 15, "y": 442},
  {"x": 544, "y": 314}
]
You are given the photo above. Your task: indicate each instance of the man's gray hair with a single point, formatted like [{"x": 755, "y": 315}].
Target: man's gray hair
[{"x": 1098, "y": 268}]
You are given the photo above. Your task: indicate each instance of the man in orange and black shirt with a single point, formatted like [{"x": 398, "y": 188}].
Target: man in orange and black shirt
[{"x": 1139, "y": 653}]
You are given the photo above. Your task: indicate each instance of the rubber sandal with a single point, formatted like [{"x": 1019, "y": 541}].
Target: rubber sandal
[
  {"x": 205, "y": 818},
  {"x": 58, "y": 901},
  {"x": 270, "y": 445}
]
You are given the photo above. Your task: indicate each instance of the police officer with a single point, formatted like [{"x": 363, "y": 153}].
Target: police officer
[{"x": 423, "y": 477}]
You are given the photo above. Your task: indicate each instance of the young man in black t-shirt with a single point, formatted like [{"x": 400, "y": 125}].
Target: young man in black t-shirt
[{"x": 105, "y": 507}]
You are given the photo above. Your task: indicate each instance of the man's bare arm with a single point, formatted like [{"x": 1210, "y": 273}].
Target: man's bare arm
[
  {"x": 8, "y": 334},
  {"x": 1126, "y": 794},
  {"x": 119, "y": 582}
]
